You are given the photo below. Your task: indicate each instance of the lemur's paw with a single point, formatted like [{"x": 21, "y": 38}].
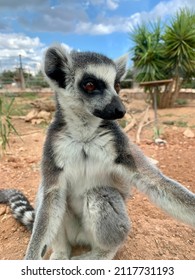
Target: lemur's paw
[
  {"x": 59, "y": 256},
  {"x": 94, "y": 256}
]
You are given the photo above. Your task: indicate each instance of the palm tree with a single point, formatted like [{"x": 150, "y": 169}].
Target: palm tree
[
  {"x": 147, "y": 52},
  {"x": 159, "y": 56},
  {"x": 179, "y": 49},
  {"x": 148, "y": 56}
]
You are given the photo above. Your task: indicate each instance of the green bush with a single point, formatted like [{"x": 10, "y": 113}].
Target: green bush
[
  {"x": 126, "y": 84},
  {"x": 6, "y": 125},
  {"x": 181, "y": 102}
]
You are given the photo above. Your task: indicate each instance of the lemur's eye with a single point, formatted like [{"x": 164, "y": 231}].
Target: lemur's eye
[
  {"x": 89, "y": 87},
  {"x": 117, "y": 87}
]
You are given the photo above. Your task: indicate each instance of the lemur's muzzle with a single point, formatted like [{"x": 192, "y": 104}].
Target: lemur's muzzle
[{"x": 112, "y": 111}]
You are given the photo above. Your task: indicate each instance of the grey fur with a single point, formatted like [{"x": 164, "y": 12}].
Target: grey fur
[
  {"x": 110, "y": 217},
  {"x": 89, "y": 165}
]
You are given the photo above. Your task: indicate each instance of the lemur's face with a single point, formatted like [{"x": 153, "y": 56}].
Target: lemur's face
[
  {"x": 91, "y": 82},
  {"x": 98, "y": 88}
]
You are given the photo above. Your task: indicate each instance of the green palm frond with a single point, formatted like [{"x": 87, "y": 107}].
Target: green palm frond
[
  {"x": 179, "y": 40},
  {"x": 147, "y": 52}
]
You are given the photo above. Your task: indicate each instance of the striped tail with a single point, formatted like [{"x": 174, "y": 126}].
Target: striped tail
[{"x": 19, "y": 205}]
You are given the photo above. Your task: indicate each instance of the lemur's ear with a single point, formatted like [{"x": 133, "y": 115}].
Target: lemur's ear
[
  {"x": 121, "y": 64},
  {"x": 56, "y": 65}
]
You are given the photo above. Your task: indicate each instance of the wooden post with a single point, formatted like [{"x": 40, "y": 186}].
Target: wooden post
[
  {"x": 21, "y": 75},
  {"x": 155, "y": 109},
  {"x": 154, "y": 85}
]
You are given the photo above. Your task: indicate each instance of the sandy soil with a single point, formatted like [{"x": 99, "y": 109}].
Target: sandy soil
[{"x": 154, "y": 235}]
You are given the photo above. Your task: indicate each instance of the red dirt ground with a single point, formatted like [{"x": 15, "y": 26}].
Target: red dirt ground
[{"x": 154, "y": 235}]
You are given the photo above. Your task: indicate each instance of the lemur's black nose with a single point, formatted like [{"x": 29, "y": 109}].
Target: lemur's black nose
[
  {"x": 118, "y": 109},
  {"x": 120, "y": 112},
  {"x": 112, "y": 111}
]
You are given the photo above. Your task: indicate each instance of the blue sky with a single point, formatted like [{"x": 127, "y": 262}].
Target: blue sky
[{"x": 29, "y": 27}]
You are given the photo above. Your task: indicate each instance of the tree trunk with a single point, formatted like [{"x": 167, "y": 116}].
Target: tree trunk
[
  {"x": 178, "y": 83},
  {"x": 167, "y": 98}
]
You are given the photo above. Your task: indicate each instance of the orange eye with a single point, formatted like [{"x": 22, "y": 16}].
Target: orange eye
[
  {"x": 89, "y": 87},
  {"x": 117, "y": 87}
]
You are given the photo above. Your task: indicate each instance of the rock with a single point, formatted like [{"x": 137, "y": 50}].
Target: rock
[
  {"x": 37, "y": 121},
  {"x": 37, "y": 117},
  {"x": 189, "y": 133},
  {"x": 48, "y": 106},
  {"x": 31, "y": 115},
  {"x": 34, "y": 114},
  {"x": 159, "y": 141},
  {"x": 44, "y": 115}
]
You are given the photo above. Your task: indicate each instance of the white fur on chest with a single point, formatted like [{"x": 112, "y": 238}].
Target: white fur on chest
[{"x": 85, "y": 164}]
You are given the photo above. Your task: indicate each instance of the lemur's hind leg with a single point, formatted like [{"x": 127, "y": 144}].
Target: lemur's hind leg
[
  {"x": 106, "y": 221},
  {"x": 61, "y": 248}
]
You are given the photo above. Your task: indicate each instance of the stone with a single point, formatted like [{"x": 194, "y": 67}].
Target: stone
[
  {"x": 189, "y": 133},
  {"x": 160, "y": 141}
]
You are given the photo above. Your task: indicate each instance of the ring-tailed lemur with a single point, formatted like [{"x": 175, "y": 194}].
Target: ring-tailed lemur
[{"x": 89, "y": 165}]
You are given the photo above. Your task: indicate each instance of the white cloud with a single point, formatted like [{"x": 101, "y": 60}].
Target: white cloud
[
  {"x": 13, "y": 45},
  {"x": 93, "y": 29},
  {"x": 107, "y": 25},
  {"x": 73, "y": 17},
  {"x": 61, "y": 18},
  {"x": 104, "y": 24},
  {"x": 14, "y": 4},
  {"x": 163, "y": 8},
  {"x": 16, "y": 41},
  {"x": 65, "y": 16},
  {"x": 112, "y": 5},
  {"x": 67, "y": 47},
  {"x": 31, "y": 49},
  {"x": 166, "y": 8},
  {"x": 109, "y": 4}
]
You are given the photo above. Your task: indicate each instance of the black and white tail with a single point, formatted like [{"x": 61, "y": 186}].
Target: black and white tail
[{"x": 20, "y": 206}]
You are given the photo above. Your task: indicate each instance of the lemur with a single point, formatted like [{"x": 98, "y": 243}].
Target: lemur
[{"x": 89, "y": 165}]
